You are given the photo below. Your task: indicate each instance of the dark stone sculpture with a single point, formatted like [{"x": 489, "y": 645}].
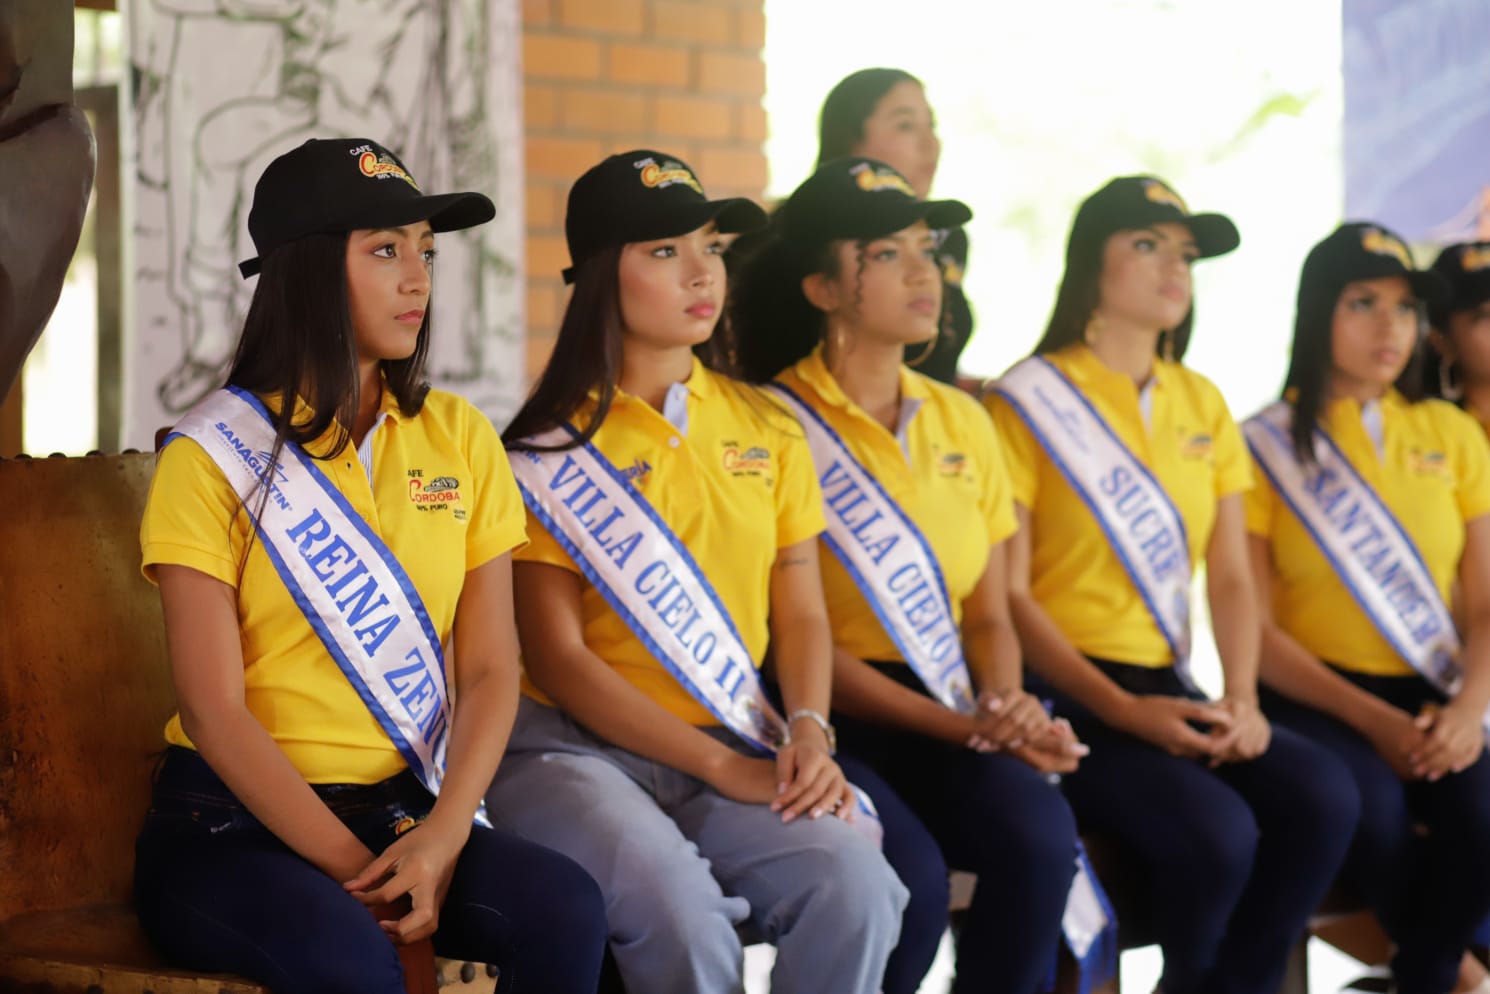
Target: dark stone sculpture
[{"x": 46, "y": 171}]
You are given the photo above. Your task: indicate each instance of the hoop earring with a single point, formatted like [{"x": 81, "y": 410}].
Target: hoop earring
[
  {"x": 1447, "y": 388},
  {"x": 835, "y": 340},
  {"x": 927, "y": 347}
]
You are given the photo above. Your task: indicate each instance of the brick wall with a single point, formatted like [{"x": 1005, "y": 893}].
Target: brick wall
[{"x": 601, "y": 76}]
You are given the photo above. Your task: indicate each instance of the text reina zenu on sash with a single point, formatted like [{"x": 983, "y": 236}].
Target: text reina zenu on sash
[
  {"x": 366, "y": 608},
  {"x": 618, "y": 538}
]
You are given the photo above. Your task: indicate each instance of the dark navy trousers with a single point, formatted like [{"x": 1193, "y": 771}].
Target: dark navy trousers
[
  {"x": 1421, "y": 856},
  {"x": 1235, "y": 859},
  {"x": 216, "y": 891},
  {"x": 944, "y": 806}
]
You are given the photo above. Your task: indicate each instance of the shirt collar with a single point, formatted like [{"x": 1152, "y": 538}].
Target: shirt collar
[
  {"x": 700, "y": 385},
  {"x": 813, "y": 371},
  {"x": 1348, "y": 410},
  {"x": 1083, "y": 366}
]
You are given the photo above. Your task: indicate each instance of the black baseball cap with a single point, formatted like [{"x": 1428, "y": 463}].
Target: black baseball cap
[
  {"x": 1362, "y": 250},
  {"x": 331, "y": 185},
  {"x": 860, "y": 199},
  {"x": 643, "y": 195},
  {"x": 1131, "y": 202},
  {"x": 1466, "y": 270}
]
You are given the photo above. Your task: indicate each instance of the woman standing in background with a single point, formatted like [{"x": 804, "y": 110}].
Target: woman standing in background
[{"x": 883, "y": 114}]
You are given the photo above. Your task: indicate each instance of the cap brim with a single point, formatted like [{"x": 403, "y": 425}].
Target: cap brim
[
  {"x": 1469, "y": 292},
  {"x": 443, "y": 211},
  {"x": 1215, "y": 234},
  {"x": 1431, "y": 288},
  {"x": 892, "y": 215},
  {"x": 731, "y": 216},
  {"x": 946, "y": 213}
]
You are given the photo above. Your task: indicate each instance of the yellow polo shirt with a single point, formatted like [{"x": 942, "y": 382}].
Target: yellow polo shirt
[
  {"x": 442, "y": 498},
  {"x": 945, "y": 472},
  {"x": 1194, "y": 450},
  {"x": 1433, "y": 474},
  {"x": 734, "y": 487}
]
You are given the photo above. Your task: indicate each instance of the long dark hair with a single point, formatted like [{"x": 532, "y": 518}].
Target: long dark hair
[
  {"x": 298, "y": 342},
  {"x": 848, "y": 105},
  {"x": 1311, "y": 359},
  {"x": 1436, "y": 377},
  {"x": 586, "y": 357},
  {"x": 770, "y": 322},
  {"x": 1076, "y": 302}
]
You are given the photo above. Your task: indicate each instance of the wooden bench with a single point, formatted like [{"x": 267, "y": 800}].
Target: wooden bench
[{"x": 84, "y": 693}]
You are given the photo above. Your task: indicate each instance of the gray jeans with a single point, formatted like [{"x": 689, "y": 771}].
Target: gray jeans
[{"x": 682, "y": 867}]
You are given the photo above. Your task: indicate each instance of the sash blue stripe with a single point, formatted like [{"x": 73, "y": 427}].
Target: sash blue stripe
[
  {"x": 1339, "y": 567},
  {"x": 647, "y": 509},
  {"x": 1381, "y": 507},
  {"x": 869, "y": 590},
  {"x": 373, "y": 539},
  {"x": 874, "y": 602},
  {"x": 319, "y": 624},
  {"x": 614, "y": 600},
  {"x": 1101, "y": 960},
  {"x": 906, "y": 522},
  {"x": 638, "y": 628},
  {"x": 1112, "y": 540},
  {"x": 1117, "y": 440}
]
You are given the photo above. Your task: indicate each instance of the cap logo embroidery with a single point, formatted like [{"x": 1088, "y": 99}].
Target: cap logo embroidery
[
  {"x": 369, "y": 163},
  {"x": 1161, "y": 194},
  {"x": 872, "y": 180},
  {"x": 665, "y": 175},
  {"x": 1475, "y": 258},
  {"x": 1378, "y": 241}
]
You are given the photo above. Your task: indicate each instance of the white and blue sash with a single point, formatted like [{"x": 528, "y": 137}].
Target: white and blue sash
[
  {"x": 894, "y": 567},
  {"x": 890, "y": 561},
  {"x": 648, "y": 577},
  {"x": 1365, "y": 543},
  {"x": 1143, "y": 526},
  {"x": 343, "y": 577}
]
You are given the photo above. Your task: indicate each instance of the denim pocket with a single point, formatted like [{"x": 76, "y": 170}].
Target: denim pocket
[{"x": 186, "y": 811}]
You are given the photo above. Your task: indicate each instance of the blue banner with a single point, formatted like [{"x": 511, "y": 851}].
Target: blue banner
[{"x": 1417, "y": 116}]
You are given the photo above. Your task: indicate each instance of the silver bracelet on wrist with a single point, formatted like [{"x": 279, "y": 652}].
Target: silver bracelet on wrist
[{"x": 816, "y": 717}]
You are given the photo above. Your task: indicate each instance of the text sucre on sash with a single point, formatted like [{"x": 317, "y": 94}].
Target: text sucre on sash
[
  {"x": 346, "y": 581},
  {"x": 1141, "y": 523}
]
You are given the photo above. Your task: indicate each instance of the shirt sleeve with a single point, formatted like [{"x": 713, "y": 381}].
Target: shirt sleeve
[
  {"x": 799, "y": 499},
  {"x": 1233, "y": 463},
  {"x": 498, "y": 519},
  {"x": 543, "y": 548},
  {"x": 1473, "y": 465},
  {"x": 1018, "y": 449},
  {"x": 1260, "y": 504},
  {"x": 192, "y": 516},
  {"x": 996, "y": 500}
]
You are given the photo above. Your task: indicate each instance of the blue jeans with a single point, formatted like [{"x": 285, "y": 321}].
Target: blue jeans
[
  {"x": 990, "y": 815},
  {"x": 1236, "y": 859},
  {"x": 682, "y": 867},
  {"x": 216, "y": 891},
  {"x": 1431, "y": 892}
]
